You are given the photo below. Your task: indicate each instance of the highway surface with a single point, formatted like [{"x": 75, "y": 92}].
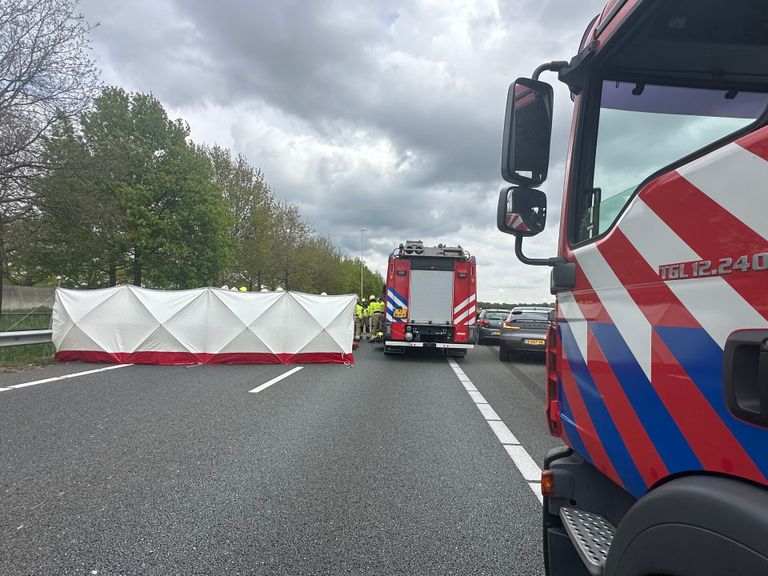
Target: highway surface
[{"x": 396, "y": 465}]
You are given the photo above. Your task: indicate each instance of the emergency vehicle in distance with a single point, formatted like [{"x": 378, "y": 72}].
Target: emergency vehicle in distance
[
  {"x": 657, "y": 367},
  {"x": 431, "y": 297}
]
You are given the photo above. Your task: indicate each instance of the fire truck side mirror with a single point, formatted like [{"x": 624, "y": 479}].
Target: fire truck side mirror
[
  {"x": 527, "y": 132},
  {"x": 521, "y": 211}
]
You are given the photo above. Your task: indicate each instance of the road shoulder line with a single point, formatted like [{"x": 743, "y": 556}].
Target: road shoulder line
[{"x": 519, "y": 455}]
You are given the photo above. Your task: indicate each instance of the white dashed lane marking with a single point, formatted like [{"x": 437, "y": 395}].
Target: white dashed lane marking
[
  {"x": 520, "y": 457},
  {"x": 274, "y": 380},
  {"x": 65, "y": 377}
]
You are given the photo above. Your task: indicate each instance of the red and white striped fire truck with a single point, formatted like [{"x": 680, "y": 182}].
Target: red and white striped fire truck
[
  {"x": 431, "y": 299},
  {"x": 657, "y": 364}
]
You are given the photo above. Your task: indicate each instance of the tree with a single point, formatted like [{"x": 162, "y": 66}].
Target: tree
[
  {"x": 251, "y": 206},
  {"x": 45, "y": 76},
  {"x": 133, "y": 201},
  {"x": 290, "y": 232}
]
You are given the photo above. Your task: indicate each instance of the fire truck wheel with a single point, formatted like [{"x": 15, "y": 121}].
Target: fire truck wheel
[{"x": 694, "y": 526}]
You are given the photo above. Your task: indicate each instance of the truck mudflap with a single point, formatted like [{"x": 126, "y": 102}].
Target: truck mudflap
[{"x": 403, "y": 344}]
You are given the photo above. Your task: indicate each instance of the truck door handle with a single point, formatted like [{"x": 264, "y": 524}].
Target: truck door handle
[{"x": 745, "y": 375}]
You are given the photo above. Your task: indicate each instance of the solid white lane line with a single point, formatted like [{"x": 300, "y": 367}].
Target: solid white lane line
[
  {"x": 503, "y": 433},
  {"x": 520, "y": 457},
  {"x": 4, "y": 389},
  {"x": 528, "y": 468},
  {"x": 536, "y": 487},
  {"x": 487, "y": 412},
  {"x": 66, "y": 376},
  {"x": 274, "y": 380}
]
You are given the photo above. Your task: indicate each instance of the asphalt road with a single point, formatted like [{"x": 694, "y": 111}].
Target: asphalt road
[{"x": 389, "y": 466}]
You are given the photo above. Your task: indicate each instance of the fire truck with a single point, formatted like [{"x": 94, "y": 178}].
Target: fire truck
[
  {"x": 431, "y": 299},
  {"x": 657, "y": 365}
]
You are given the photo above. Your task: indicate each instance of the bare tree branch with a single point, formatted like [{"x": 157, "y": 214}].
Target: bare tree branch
[{"x": 46, "y": 76}]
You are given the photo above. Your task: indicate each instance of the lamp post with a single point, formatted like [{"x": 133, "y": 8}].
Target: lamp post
[{"x": 361, "y": 261}]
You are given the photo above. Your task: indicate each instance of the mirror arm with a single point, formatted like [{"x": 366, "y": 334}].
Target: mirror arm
[
  {"x": 554, "y": 66},
  {"x": 535, "y": 261}
]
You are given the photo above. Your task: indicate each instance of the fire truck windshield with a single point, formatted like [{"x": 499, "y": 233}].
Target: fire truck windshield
[{"x": 644, "y": 127}]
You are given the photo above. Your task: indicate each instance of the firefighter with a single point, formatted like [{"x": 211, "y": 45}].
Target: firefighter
[
  {"x": 376, "y": 308},
  {"x": 359, "y": 319},
  {"x": 382, "y": 306},
  {"x": 366, "y": 317}
]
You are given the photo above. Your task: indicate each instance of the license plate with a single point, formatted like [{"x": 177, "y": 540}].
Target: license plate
[
  {"x": 400, "y": 313},
  {"x": 535, "y": 342}
]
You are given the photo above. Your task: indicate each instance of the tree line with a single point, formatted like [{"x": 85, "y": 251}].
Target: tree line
[
  {"x": 506, "y": 306},
  {"x": 101, "y": 187}
]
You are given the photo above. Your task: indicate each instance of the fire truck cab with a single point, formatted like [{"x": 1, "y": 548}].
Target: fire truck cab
[
  {"x": 657, "y": 368},
  {"x": 431, "y": 299}
]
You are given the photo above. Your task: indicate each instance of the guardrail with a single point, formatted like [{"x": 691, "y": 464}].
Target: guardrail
[{"x": 24, "y": 337}]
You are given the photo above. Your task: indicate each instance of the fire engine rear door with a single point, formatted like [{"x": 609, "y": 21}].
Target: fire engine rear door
[{"x": 431, "y": 296}]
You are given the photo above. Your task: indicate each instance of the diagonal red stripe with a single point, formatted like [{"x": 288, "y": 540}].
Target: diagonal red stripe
[
  {"x": 642, "y": 282},
  {"x": 597, "y": 453},
  {"x": 636, "y": 439},
  {"x": 706, "y": 433},
  {"x": 697, "y": 420},
  {"x": 712, "y": 232}
]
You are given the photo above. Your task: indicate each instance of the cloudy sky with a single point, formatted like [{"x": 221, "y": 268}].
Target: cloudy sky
[{"x": 378, "y": 115}]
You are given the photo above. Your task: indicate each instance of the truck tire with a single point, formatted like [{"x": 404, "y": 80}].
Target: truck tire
[{"x": 694, "y": 526}]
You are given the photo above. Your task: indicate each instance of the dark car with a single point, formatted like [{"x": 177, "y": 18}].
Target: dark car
[
  {"x": 525, "y": 329},
  {"x": 489, "y": 325}
]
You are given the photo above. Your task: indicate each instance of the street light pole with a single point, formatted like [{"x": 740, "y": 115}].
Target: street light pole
[{"x": 361, "y": 262}]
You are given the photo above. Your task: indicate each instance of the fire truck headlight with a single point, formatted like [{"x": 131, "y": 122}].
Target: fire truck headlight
[{"x": 408, "y": 336}]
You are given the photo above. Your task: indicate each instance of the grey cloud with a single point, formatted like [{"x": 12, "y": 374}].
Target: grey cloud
[
  {"x": 331, "y": 68},
  {"x": 327, "y": 61}
]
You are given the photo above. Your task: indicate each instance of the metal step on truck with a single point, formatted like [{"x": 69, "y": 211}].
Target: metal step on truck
[
  {"x": 431, "y": 296},
  {"x": 657, "y": 367}
]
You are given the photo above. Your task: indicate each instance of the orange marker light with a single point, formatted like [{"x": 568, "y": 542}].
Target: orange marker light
[{"x": 547, "y": 483}]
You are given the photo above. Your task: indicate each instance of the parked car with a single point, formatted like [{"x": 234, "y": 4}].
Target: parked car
[
  {"x": 525, "y": 329},
  {"x": 489, "y": 325}
]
